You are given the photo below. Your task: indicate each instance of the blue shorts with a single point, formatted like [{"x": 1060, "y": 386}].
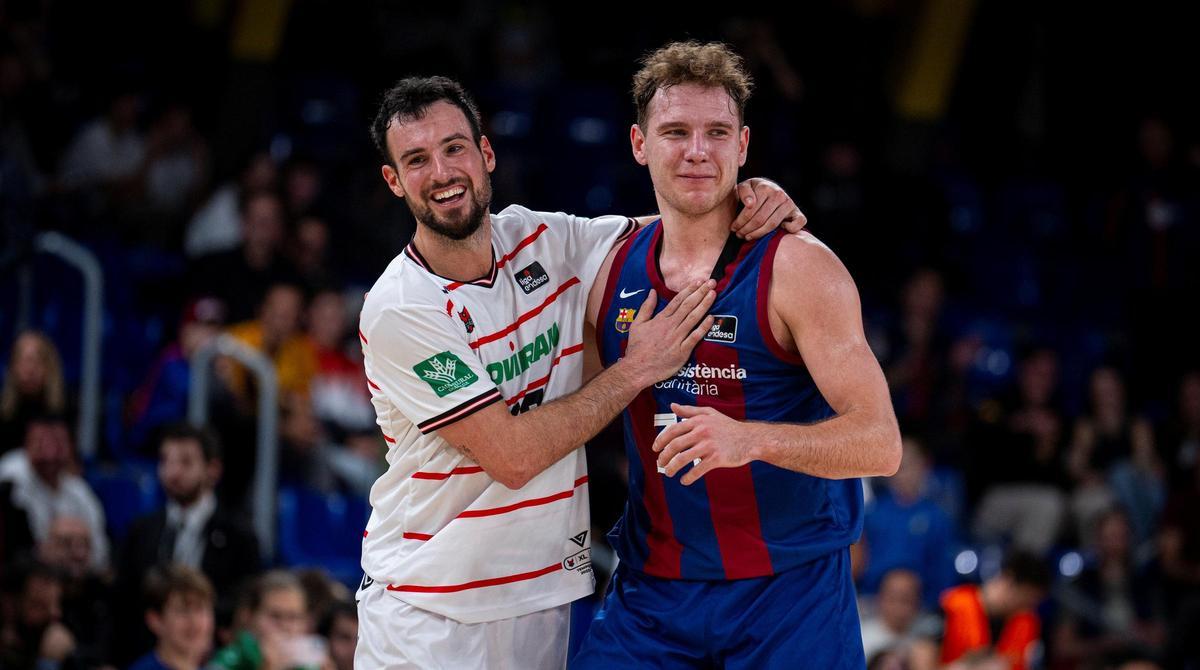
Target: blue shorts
[{"x": 805, "y": 617}]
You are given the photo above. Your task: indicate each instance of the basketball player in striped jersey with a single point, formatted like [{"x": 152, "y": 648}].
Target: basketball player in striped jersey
[
  {"x": 472, "y": 340},
  {"x": 744, "y": 465}
]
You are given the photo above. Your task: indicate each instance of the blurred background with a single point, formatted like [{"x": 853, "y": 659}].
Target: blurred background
[{"x": 1015, "y": 186}]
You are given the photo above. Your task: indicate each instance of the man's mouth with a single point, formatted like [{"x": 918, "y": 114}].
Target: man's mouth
[{"x": 449, "y": 196}]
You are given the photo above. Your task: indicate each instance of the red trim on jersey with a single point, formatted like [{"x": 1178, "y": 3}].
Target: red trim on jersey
[
  {"x": 610, "y": 286},
  {"x": 538, "y": 383},
  {"x": 663, "y": 558},
  {"x": 504, "y": 332},
  {"x": 418, "y": 536},
  {"x": 732, "y": 503},
  {"x": 389, "y": 440},
  {"x": 461, "y": 411},
  {"x": 532, "y": 502},
  {"x": 481, "y": 583},
  {"x": 373, "y": 385},
  {"x": 762, "y": 298},
  {"x": 656, "y": 278},
  {"x": 466, "y": 470},
  {"x": 362, "y": 337},
  {"x": 364, "y": 533},
  {"x": 521, "y": 245}
]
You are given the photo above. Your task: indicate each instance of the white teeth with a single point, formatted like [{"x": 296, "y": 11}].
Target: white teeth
[{"x": 448, "y": 193}]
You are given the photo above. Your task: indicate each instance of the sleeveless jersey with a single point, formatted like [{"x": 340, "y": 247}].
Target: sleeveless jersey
[{"x": 751, "y": 521}]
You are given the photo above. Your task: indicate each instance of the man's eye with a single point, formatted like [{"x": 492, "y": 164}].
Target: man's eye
[{"x": 412, "y": 162}]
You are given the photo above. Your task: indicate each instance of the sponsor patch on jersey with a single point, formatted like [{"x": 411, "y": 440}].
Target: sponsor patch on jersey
[
  {"x": 445, "y": 373},
  {"x": 516, "y": 364},
  {"x": 625, "y": 319},
  {"x": 532, "y": 277},
  {"x": 724, "y": 329},
  {"x": 579, "y": 539}
]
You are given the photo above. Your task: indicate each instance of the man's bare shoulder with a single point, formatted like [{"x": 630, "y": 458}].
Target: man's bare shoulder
[{"x": 804, "y": 265}]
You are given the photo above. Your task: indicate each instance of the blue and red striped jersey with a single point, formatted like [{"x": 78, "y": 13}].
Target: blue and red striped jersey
[{"x": 734, "y": 523}]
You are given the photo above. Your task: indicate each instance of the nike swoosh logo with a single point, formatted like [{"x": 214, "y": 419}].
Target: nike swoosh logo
[{"x": 630, "y": 295}]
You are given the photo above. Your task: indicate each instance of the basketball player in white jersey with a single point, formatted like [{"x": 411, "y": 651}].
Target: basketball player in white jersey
[{"x": 479, "y": 533}]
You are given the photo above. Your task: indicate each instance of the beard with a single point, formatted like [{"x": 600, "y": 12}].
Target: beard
[{"x": 458, "y": 226}]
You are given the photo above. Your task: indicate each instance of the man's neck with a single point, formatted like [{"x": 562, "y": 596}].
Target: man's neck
[
  {"x": 693, "y": 243},
  {"x": 460, "y": 260}
]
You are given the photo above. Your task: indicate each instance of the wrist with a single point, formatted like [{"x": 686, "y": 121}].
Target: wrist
[
  {"x": 760, "y": 441},
  {"x": 629, "y": 377}
]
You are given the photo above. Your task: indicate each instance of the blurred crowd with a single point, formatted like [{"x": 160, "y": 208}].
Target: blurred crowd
[{"x": 1024, "y": 257}]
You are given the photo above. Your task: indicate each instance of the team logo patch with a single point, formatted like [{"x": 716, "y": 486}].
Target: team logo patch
[
  {"x": 532, "y": 277},
  {"x": 468, "y": 322},
  {"x": 445, "y": 373},
  {"x": 624, "y": 319},
  {"x": 724, "y": 329}
]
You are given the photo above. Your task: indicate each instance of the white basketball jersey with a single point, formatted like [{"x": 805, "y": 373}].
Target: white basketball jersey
[{"x": 444, "y": 536}]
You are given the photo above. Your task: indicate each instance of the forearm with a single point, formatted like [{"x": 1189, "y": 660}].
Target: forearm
[
  {"x": 857, "y": 443},
  {"x": 551, "y": 431}
]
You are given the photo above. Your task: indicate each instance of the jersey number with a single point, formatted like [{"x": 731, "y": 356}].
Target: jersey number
[{"x": 531, "y": 400}]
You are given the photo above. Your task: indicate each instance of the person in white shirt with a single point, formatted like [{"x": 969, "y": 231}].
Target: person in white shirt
[
  {"x": 45, "y": 488},
  {"x": 479, "y": 532}
]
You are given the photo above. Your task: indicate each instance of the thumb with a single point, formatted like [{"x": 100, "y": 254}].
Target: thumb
[{"x": 647, "y": 308}]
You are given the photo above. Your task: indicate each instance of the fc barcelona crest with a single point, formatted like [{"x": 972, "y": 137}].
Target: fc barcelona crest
[{"x": 625, "y": 318}]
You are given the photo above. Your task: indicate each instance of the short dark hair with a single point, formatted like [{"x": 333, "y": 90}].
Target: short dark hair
[
  {"x": 163, "y": 581},
  {"x": 411, "y": 97},
  {"x": 1027, "y": 569},
  {"x": 210, "y": 445},
  {"x": 711, "y": 65},
  {"x": 270, "y": 582}
]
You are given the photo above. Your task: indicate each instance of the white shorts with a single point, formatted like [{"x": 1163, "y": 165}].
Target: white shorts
[{"x": 394, "y": 634}]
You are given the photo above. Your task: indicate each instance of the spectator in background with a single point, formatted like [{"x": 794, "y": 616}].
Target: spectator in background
[
  {"x": 1113, "y": 459},
  {"x": 302, "y": 187},
  {"x": 995, "y": 622},
  {"x": 86, "y": 592},
  {"x": 163, "y": 397},
  {"x": 108, "y": 151},
  {"x": 277, "y": 334},
  {"x": 914, "y": 367},
  {"x": 32, "y": 634},
  {"x": 339, "y": 389},
  {"x": 242, "y": 276},
  {"x": 217, "y": 226},
  {"x": 16, "y": 540},
  {"x": 194, "y": 529},
  {"x": 1113, "y": 607},
  {"x": 176, "y": 165},
  {"x": 1017, "y": 460},
  {"x": 322, "y": 593},
  {"x": 1179, "y": 439},
  {"x": 179, "y": 611},
  {"x": 1179, "y": 556},
  {"x": 904, "y": 528},
  {"x": 895, "y": 622},
  {"x": 33, "y": 385},
  {"x": 276, "y": 630},
  {"x": 45, "y": 486},
  {"x": 340, "y": 630},
  {"x": 309, "y": 252}
]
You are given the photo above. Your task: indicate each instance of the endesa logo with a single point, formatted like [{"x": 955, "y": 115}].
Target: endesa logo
[
  {"x": 532, "y": 277},
  {"x": 724, "y": 329}
]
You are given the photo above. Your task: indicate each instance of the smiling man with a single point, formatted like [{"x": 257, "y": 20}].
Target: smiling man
[
  {"x": 734, "y": 545},
  {"x": 478, "y": 536}
]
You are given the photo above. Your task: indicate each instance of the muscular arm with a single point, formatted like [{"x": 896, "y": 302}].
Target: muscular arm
[
  {"x": 514, "y": 449},
  {"x": 816, "y": 301},
  {"x": 814, "y": 311}
]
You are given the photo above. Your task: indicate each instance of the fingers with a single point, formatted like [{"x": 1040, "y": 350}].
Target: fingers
[
  {"x": 671, "y": 432},
  {"x": 689, "y": 411},
  {"x": 698, "y": 470},
  {"x": 695, "y": 314},
  {"x": 687, "y": 454},
  {"x": 795, "y": 221},
  {"x": 770, "y": 215},
  {"x": 698, "y": 334},
  {"x": 647, "y": 309}
]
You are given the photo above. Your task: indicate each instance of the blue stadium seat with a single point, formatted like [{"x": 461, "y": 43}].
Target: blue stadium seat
[
  {"x": 323, "y": 530},
  {"x": 127, "y": 492}
]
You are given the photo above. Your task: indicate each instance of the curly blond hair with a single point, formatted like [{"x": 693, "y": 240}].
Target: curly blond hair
[{"x": 712, "y": 65}]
